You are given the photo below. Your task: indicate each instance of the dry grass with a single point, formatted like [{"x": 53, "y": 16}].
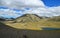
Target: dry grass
[{"x": 35, "y": 25}]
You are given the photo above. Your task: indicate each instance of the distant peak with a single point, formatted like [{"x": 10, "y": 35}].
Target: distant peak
[{"x": 28, "y": 18}]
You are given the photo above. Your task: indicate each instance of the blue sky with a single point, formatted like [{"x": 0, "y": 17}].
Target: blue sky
[
  {"x": 13, "y": 8},
  {"x": 51, "y": 3}
]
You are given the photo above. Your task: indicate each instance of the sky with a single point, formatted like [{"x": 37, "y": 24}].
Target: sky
[
  {"x": 16, "y": 8},
  {"x": 51, "y": 3}
]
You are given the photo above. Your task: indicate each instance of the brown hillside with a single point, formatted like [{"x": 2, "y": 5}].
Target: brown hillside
[{"x": 28, "y": 18}]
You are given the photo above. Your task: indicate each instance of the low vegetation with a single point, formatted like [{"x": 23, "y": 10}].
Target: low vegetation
[{"x": 34, "y": 22}]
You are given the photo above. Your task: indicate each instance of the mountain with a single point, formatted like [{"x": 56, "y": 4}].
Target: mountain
[
  {"x": 55, "y": 18},
  {"x": 25, "y": 18},
  {"x": 28, "y": 18},
  {"x": 32, "y": 22},
  {"x": 6, "y": 19}
]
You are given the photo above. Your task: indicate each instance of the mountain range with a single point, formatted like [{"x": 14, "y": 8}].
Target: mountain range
[{"x": 33, "y": 22}]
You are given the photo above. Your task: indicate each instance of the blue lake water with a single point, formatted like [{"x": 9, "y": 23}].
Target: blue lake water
[{"x": 51, "y": 28}]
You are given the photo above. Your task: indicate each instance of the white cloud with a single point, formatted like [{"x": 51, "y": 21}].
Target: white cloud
[
  {"x": 37, "y": 7},
  {"x": 22, "y": 3},
  {"x": 8, "y": 13},
  {"x": 45, "y": 11}
]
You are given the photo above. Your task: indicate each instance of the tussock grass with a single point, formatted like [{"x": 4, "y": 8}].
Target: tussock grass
[{"x": 35, "y": 25}]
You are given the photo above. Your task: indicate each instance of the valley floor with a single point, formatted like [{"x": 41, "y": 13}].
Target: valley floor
[{"x": 35, "y": 25}]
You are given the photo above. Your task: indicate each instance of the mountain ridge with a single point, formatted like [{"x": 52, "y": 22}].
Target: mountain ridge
[{"x": 29, "y": 18}]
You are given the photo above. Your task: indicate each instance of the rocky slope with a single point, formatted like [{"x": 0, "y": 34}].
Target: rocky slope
[{"x": 28, "y": 18}]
